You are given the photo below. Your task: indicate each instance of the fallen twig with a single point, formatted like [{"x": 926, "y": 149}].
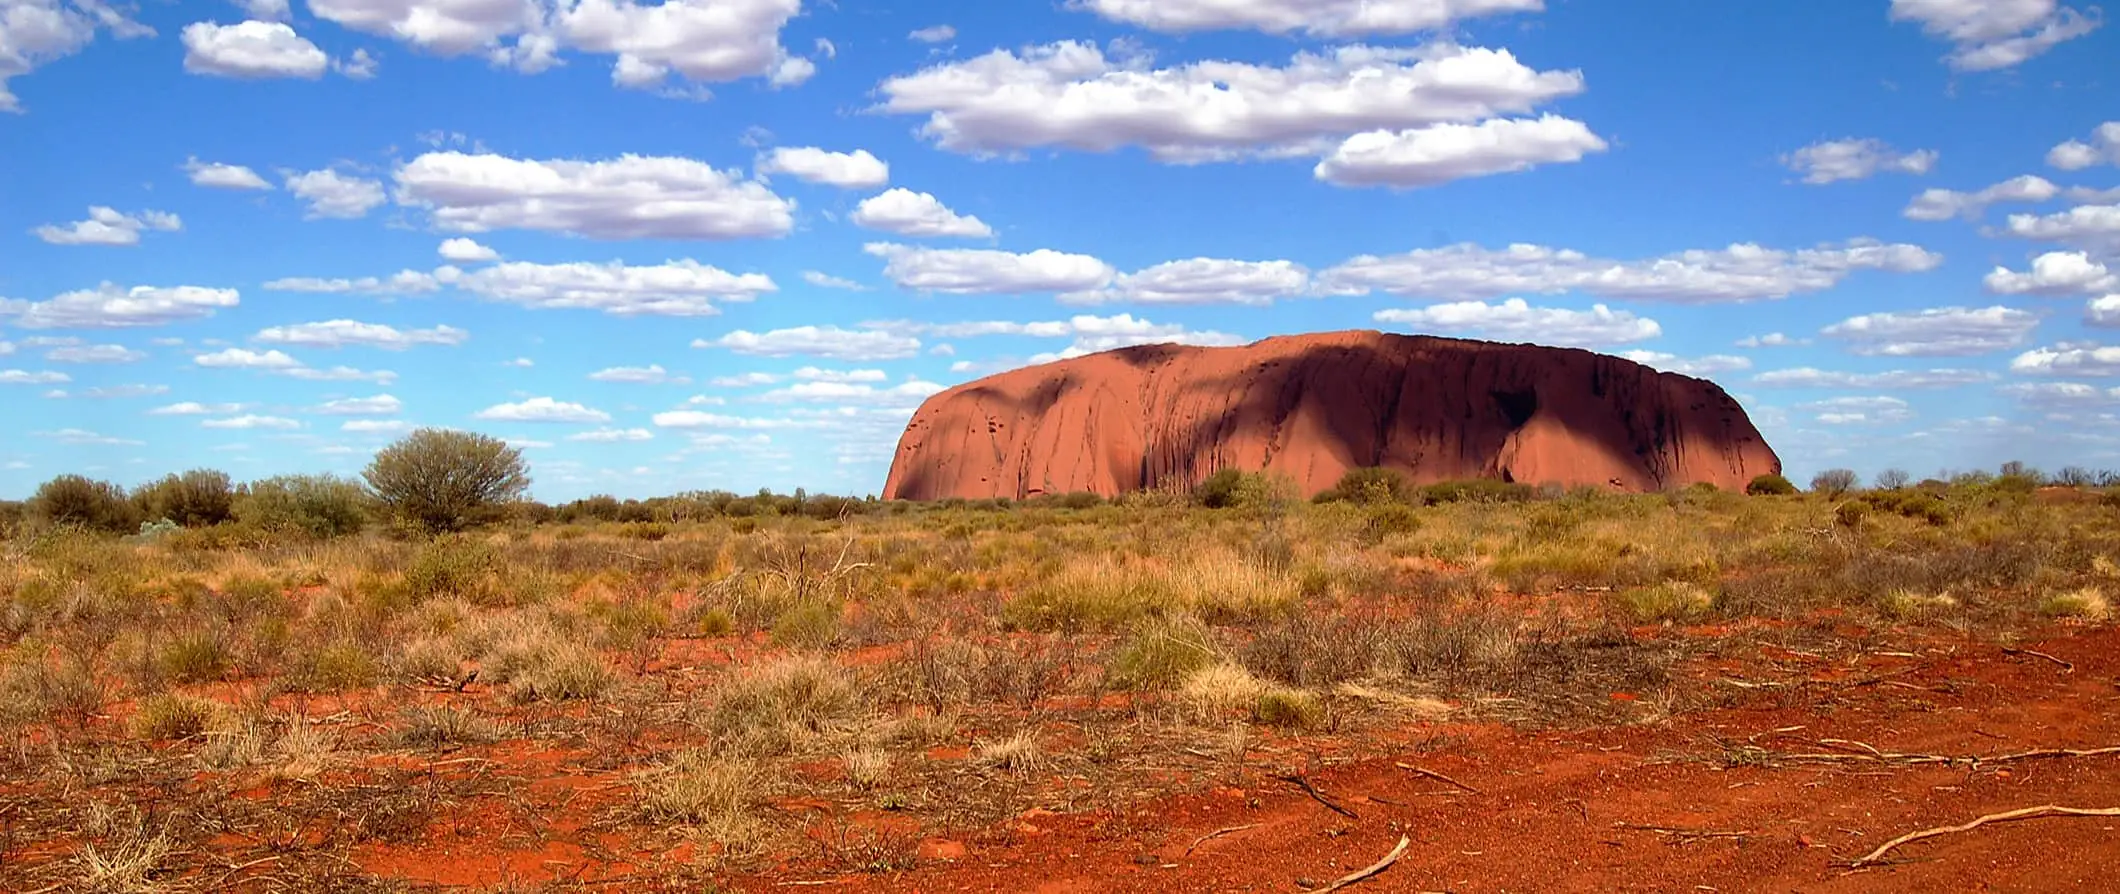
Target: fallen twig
[
  {"x": 1863, "y": 751},
  {"x": 1684, "y": 834},
  {"x": 2007, "y": 816},
  {"x": 1217, "y": 834},
  {"x": 2066, "y": 667},
  {"x": 1312, "y": 791},
  {"x": 1423, "y": 771},
  {"x": 1373, "y": 869}
]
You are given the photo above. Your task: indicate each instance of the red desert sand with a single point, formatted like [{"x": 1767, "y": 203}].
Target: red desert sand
[{"x": 1314, "y": 406}]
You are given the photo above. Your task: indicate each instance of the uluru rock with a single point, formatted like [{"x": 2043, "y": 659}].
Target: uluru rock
[{"x": 1314, "y": 406}]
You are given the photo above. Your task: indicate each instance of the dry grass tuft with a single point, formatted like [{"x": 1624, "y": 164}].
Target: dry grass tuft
[
  {"x": 1216, "y": 691},
  {"x": 1019, "y": 753},
  {"x": 2088, "y": 603}
]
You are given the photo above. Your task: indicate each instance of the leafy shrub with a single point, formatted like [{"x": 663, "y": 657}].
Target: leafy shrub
[
  {"x": 1666, "y": 602},
  {"x": 1851, "y": 514},
  {"x": 810, "y": 625},
  {"x": 80, "y": 501},
  {"x": 195, "y": 499},
  {"x": 1770, "y": 485},
  {"x": 647, "y": 531},
  {"x": 1917, "y": 504},
  {"x": 445, "y": 480},
  {"x": 1477, "y": 490},
  {"x": 1238, "y": 489},
  {"x": 1290, "y": 708},
  {"x": 1161, "y": 653},
  {"x": 1389, "y": 519},
  {"x": 454, "y": 566},
  {"x": 1833, "y": 482},
  {"x": 1368, "y": 485},
  {"x": 320, "y": 506},
  {"x": 197, "y": 657},
  {"x": 172, "y": 716}
]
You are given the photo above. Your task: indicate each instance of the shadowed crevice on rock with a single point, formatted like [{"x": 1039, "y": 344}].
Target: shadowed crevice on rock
[{"x": 1314, "y": 406}]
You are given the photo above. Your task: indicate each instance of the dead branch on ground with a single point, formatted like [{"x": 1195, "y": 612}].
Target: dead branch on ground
[{"x": 2044, "y": 810}]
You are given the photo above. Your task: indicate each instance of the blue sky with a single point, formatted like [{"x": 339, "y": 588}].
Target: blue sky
[{"x": 733, "y": 243}]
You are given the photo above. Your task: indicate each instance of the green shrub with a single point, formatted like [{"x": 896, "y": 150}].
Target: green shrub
[
  {"x": 1833, "y": 482},
  {"x": 447, "y": 480},
  {"x": 338, "y": 667},
  {"x": 197, "y": 657},
  {"x": 1238, "y": 489},
  {"x": 1851, "y": 514},
  {"x": 171, "y": 716},
  {"x": 1671, "y": 601},
  {"x": 1289, "y": 708},
  {"x": 320, "y": 506},
  {"x": 1389, "y": 519},
  {"x": 83, "y": 502},
  {"x": 1477, "y": 490},
  {"x": 1369, "y": 485},
  {"x": 1161, "y": 653},
  {"x": 195, "y": 499},
  {"x": 457, "y": 566},
  {"x": 1770, "y": 485},
  {"x": 813, "y": 624}
]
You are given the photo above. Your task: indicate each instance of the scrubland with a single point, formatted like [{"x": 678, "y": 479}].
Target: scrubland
[{"x": 873, "y": 692}]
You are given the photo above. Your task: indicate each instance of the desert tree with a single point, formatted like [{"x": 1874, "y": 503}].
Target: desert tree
[
  {"x": 75, "y": 500},
  {"x": 195, "y": 499},
  {"x": 1833, "y": 482},
  {"x": 447, "y": 480},
  {"x": 1893, "y": 479}
]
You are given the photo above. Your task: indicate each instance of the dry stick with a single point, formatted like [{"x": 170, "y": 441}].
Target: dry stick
[
  {"x": 1684, "y": 833},
  {"x": 2066, "y": 667},
  {"x": 2009, "y": 816},
  {"x": 1373, "y": 869},
  {"x": 1423, "y": 771},
  {"x": 1217, "y": 834},
  {"x": 1320, "y": 796},
  {"x": 1869, "y": 752}
]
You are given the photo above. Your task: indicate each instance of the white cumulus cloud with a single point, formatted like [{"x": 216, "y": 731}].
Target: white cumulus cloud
[
  {"x": 853, "y": 170},
  {"x": 1936, "y": 332},
  {"x": 814, "y": 341},
  {"x": 629, "y": 197},
  {"x": 251, "y": 49},
  {"x": 1440, "y": 153},
  {"x": 349, "y": 333},
  {"x": 1742, "y": 272},
  {"x": 466, "y": 251},
  {"x": 331, "y": 194},
  {"x": 111, "y": 307},
  {"x": 1708, "y": 365},
  {"x": 680, "y": 288},
  {"x": 108, "y": 226},
  {"x": 1855, "y": 159},
  {"x": 542, "y": 409},
  {"x": 908, "y": 213},
  {"x": 2069, "y": 359},
  {"x": 1517, "y": 320},
  {"x": 2054, "y": 273},
  {"x": 1944, "y": 204},
  {"x": 2075, "y": 155},
  {"x": 94, "y": 354},
  {"x": 252, "y": 421},
  {"x": 1070, "y": 95},
  {"x": 1320, "y": 18},
  {"x": 613, "y": 435},
  {"x": 653, "y": 374},
  {"x": 966, "y": 271},
  {"x": 1812, "y": 377},
  {"x": 216, "y": 175},
  {"x": 1992, "y": 34},
  {"x": 379, "y": 405}
]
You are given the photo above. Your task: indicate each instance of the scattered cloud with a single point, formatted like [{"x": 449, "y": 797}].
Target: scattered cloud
[
  {"x": 629, "y": 197},
  {"x": 1317, "y": 18},
  {"x": 108, "y": 226},
  {"x": 252, "y": 422},
  {"x": 1938, "y": 332},
  {"x": 742, "y": 380},
  {"x": 251, "y": 49},
  {"x": 934, "y": 34},
  {"x": 904, "y": 394},
  {"x": 1992, "y": 34},
  {"x": 1771, "y": 340},
  {"x": 404, "y": 282},
  {"x": 379, "y": 405},
  {"x": 34, "y": 32},
  {"x": 1742, "y": 272},
  {"x": 681, "y": 288},
  {"x": 331, "y": 194},
  {"x": 815, "y": 341},
  {"x": 84, "y": 437},
  {"x": 2054, "y": 273},
  {"x": 94, "y": 354},
  {"x": 814, "y": 374},
  {"x": 977, "y": 271},
  {"x": 638, "y": 375},
  {"x": 2061, "y": 394},
  {"x": 110, "y": 307},
  {"x": 278, "y": 363},
  {"x": 542, "y": 409},
  {"x": 1709, "y": 365},
  {"x": 215, "y": 175},
  {"x": 1071, "y": 95},
  {"x": 375, "y": 426},
  {"x": 1202, "y": 281},
  {"x": 2069, "y": 359},
  {"x": 918, "y": 214},
  {"x": 2091, "y": 225},
  {"x": 1811, "y": 377},
  {"x": 828, "y": 281},
  {"x": 1852, "y": 159},
  {"x": 613, "y": 435},
  {"x": 466, "y": 251},
  {"x": 194, "y": 408},
  {"x": 28, "y": 377},
  {"x": 1516, "y": 320},
  {"x": 114, "y": 392},
  {"x": 1440, "y": 153},
  {"x": 851, "y": 170},
  {"x": 1878, "y": 410},
  {"x": 1944, "y": 204},
  {"x": 2075, "y": 155},
  {"x": 350, "y": 333},
  {"x": 2103, "y": 311}
]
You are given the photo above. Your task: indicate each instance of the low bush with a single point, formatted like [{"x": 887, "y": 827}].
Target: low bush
[{"x": 1770, "y": 485}]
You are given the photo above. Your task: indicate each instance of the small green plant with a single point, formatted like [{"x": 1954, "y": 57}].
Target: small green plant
[
  {"x": 807, "y": 625},
  {"x": 1289, "y": 708},
  {"x": 1851, "y": 514},
  {"x": 1671, "y": 601},
  {"x": 1161, "y": 653},
  {"x": 195, "y": 657},
  {"x": 1770, "y": 485},
  {"x": 173, "y": 716},
  {"x": 2088, "y": 603}
]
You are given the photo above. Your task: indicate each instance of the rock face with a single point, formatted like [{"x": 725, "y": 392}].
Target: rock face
[{"x": 1313, "y": 407}]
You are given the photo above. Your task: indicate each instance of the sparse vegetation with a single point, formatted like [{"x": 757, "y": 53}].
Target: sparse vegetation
[
  {"x": 687, "y": 667},
  {"x": 445, "y": 480}
]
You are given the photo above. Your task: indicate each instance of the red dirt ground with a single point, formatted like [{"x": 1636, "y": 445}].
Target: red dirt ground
[{"x": 1552, "y": 807}]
